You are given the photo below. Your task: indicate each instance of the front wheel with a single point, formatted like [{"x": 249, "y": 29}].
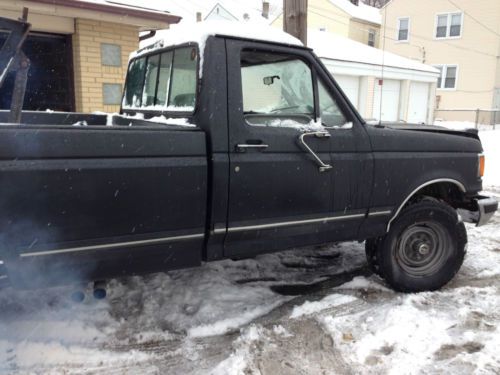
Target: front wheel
[{"x": 424, "y": 248}]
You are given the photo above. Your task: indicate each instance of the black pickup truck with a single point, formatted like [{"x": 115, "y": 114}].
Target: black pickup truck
[{"x": 229, "y": 147}]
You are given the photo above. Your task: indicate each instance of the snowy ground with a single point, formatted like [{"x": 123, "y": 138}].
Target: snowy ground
[{"x": 306, "y": 311}]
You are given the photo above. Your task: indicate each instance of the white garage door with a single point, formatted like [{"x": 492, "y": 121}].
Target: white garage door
[
  {"x": 350, "y": 85},
  {"x": 390, "y": 100},
  {"x": 418, "y": 102}
]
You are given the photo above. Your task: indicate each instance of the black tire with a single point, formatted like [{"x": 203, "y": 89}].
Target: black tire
[{"x": 424, "y": 249}]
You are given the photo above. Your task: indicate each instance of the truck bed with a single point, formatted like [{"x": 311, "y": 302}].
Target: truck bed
[{"x": 74, "y": 199}]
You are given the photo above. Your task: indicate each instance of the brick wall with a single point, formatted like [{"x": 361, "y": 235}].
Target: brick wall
[{"x": 90, "y": 73}]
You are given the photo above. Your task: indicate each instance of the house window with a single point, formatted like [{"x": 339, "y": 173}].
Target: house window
[
  {"x": 371, "y": 38},
  {"x": 449, "y": 25},
  {"x": 403, "y": 29},
  {"x": 111, "y": 54},
  {"x": 448, "y": 78},
  {"x": 112, "y": 93}
]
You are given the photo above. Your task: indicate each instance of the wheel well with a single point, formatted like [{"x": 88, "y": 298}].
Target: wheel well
[{"x": 447, "y": 192}]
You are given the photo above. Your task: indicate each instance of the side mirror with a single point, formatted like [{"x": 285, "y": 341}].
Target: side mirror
[{"x": 268, "y": 81}]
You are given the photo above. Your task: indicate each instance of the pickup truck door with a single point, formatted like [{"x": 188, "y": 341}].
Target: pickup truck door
[{"x": 281, "y": 191}]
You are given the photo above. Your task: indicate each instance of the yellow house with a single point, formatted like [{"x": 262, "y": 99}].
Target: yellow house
[
  {"x": 462, "y": 39},
  {"x": 79, "y": 51},
  {"x": 349, "y": 18}
]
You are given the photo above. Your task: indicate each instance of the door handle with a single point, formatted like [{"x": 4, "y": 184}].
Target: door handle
[
  {"x": 321, "y": 165},
  {"x": 242, "y": 147}
]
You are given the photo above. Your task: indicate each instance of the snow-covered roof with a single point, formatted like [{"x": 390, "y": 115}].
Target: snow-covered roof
[
  {"x": 120, "y": 7},
  {"x": 336, "y": 47},
  {"x": 198, "y": 32},
  {"x": 362, "y": 11}
]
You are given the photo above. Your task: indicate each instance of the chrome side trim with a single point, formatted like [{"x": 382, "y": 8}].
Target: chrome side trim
[
  {"x": 380, "y": 213},
  {"x": 112, "y": 245},
  {"x": 458, "y": 183},
  {"x": 290, "y": 223}
]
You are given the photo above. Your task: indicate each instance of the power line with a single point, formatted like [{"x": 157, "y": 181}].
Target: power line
[
  {"x": 413, "y": 34},
  {"x": 474, "y": 18}
]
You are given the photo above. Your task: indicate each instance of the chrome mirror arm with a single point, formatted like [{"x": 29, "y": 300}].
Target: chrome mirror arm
[{"x": 321, "y": 165}]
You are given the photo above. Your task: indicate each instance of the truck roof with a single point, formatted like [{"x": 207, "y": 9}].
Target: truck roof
[{"x": 200, "y": 31}]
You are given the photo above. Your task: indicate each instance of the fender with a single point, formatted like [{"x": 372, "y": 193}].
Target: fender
[{"x": 431, "y": 182}]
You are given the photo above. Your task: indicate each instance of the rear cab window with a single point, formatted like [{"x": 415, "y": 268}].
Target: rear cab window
[{"x": 165, "y": 81}]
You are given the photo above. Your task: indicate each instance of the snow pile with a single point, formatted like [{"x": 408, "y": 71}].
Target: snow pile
[
  {"x": 289, "y": 123},
  {"x": 171, "y": 121},
  {"x": 333, "y": 300},
  {"x": 237, "y": 362},
  {"x": 491, "y": 145},
  {"x": 490, "y": 139},
  {"x": 447, "y": 330}
]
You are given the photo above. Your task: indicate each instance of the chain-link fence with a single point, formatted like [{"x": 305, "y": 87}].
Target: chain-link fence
[{"x": 477, "y": 117}]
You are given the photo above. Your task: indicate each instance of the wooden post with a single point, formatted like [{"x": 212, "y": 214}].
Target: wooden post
[{"x": 295, "y": 18}]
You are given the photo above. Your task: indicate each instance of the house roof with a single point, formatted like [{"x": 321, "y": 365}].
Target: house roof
[
  {"x": 115, "y": 8},
  {"x": 362, "y": 11},
  {"x": 335, "y": 47}
]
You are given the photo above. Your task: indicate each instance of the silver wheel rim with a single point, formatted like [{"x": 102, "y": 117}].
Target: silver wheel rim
[{"x": 422, "y": 248}]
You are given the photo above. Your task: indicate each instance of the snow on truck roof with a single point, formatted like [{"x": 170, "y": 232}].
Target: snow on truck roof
[{"x": 199, "y": 32}]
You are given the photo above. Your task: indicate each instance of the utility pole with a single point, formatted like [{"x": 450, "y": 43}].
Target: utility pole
[{"x": 295, "y": 18}]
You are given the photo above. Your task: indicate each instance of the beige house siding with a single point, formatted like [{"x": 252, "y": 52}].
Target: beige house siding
[
  {"x": 322, "y": 14},
  {"x": 88, "y": 28},
  {"x": 89, "y": 72},
  {"x": 359, "y": 32},
  {"x": 475, "y": 52}
]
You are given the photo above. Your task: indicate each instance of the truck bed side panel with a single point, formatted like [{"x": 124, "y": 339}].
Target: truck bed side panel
[{"x": 86, "y": 202}]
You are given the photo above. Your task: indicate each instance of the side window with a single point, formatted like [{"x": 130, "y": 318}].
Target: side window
[
  {"x": 164, "y": 81},
  {"x": 164, "y": 78},
  {"x": 135, "y": 81},
  {"x": 276, "y": 88},
  {"x": 183, "y": 86},
  {"x": 330, "y": 113},
  {"x": 149, "y": 92}
]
